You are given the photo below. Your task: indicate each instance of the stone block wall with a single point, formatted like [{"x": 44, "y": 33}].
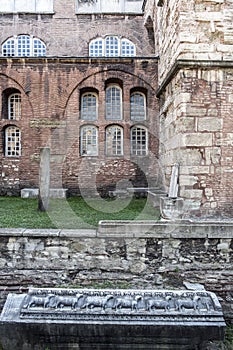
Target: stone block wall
[
  {"x": 123, "y": 254},
  {"x": 196, "y": 124},
  {"x": 193, "y": 30}
]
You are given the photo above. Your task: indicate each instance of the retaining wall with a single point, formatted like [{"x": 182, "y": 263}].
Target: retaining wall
[{"x": 127, "y": 254}]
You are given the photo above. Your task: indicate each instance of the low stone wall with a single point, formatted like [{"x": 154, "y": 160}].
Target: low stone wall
[{"x": 121, "y": 254}]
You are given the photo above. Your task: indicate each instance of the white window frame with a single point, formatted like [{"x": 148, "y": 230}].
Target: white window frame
[
  {"x": 89, "y": 111},
  {"x": 113, "y": 110},
  {"x": 137, "y": 145},
  {"x": 26, "y": 6},
  {"x": 12, "y": 141},
  {"x": 89, "y": 140},
  {"x": 95, "y": 43},
  {"x": 137, "y": 111},
  {"x": 114, "y": 140},
  {"x": 23, "y": 46},
  {"x": 14, "y": 106}
]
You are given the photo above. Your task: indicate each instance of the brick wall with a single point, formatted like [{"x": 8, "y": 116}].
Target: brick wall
[{"x": 50, "y": 92}]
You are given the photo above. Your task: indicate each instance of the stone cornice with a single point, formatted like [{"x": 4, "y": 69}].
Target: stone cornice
[
  {"x": 179, "y": 64},
  {"x": 73, "y": 60}
]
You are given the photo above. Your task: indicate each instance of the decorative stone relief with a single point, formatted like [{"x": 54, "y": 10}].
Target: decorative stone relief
[{"x": 106, "y": 304}]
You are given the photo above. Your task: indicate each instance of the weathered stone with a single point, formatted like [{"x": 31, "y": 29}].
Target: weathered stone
[{"x": 128, "y": 319}]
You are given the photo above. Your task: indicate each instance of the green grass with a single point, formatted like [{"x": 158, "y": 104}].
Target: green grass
[{"x": 72, "y": 213}]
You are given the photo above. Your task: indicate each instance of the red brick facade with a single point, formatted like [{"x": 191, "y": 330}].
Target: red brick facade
[
  {"x": 50, "y": 97},
  {"x": 51, "y": 90}
]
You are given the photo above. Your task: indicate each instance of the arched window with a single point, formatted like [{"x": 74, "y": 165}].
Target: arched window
[
  {"x": 111, "y": 46},
  {"x": 89, "y": 106},
  {"x": 113, "y": 102},
  {"x": 137, "y": 106},
  {"x": 12, "y": 141},
  {"x": 139, "y": 141},
  {"x": 114, "y": 140},
  {"x": 23, "y": 45},
  {"x": 89, "y": 140},
  {"x": 14, "y": 106}
]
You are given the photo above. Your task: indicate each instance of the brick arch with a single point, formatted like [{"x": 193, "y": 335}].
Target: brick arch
[
  {"x": 13, "y": 80},
  {"x": 106, "y": 75}
]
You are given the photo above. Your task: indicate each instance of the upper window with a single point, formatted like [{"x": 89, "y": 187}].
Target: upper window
[
  {"x": 114, "y": 140},
  {"x": 137, "y": 106},
  {"x": 89, "y": 140},
  {"x": 113, "y": 103},
  {"x": 26, "y": 6},
  {"x": 89, "y": 106},
  {"x": 110, "y": 6},
  {"x": 111, "y": 46},
  {"x": 139, "y": 141},
  {"x": 23, "y": 45},
  {"x": 12, "y": 141},
  {"x": 14, "y": 106}
]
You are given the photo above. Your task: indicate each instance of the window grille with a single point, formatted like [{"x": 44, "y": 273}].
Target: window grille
[
  {"x": 12, "y": 142},
  {"x": 114, "y": 141},
  {"x": 23, "y": 46},
  {"x": 113, "y": 103},
  {"x": 89, "y": 141},
  {"x": 14, "y": 107},
  {"x": 89, "y": 106},
  {"x": 139, "y": 142},
  {"x": 137, "y": 106},
  {"x": 111, "y": 46}
]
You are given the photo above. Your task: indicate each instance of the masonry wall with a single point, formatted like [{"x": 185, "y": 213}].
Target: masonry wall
[
  {"x": 193, "y": 30},
  {"x": 123, "y": 255},
  {"x": 50, "y": 94},
  {"x": 68, "y": 34},
  {"x": 195, "y": 93},
  {"x": 197, "y": 134}
]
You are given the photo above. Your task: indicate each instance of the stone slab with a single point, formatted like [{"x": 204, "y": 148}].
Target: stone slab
[
  {"x": 110, "y": 319},
  {"x": 53, "y": 193}
]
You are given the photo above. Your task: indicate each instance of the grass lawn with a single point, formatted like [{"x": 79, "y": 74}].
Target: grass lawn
[{"x": 72, "y": 213}]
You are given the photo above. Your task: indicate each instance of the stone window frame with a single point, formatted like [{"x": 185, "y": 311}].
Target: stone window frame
[
  {"x": 89, "y": 140},
  {"x": 111, "y": 46},
  {"x": 137, "y": 106},
  {"x": 12, "y": 138},
  {"x": 114, "y": 140},
  {"x": 89, "y": 108},
  {"x": 113, "y": 102},
  {"x": 139, "y": 140},
  {"x": 23, "y": 45},
  {"x": 14, "y": 106}
]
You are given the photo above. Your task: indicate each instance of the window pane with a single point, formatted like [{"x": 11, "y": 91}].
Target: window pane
[
  {"x": 114, "y": 141},
  {"x": 89, "y": 107},
  {"x": 139, "y": 141},
  {"x": 14, "y": 107},
  {"x": 137, "y": 106},
  {"x": 13, "y": 142},
  {"x": 113, "y": 103},
  {"x": 23, "y": 45},
  {"x": 96, "y": 48},
  {"x": 39, "y": 48},
  {"x": 89, "y": 141},
  {"x": 8, "y": 48},
  {"x": 112, "y": 46},
  {"x": 127, "y": 48}
]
